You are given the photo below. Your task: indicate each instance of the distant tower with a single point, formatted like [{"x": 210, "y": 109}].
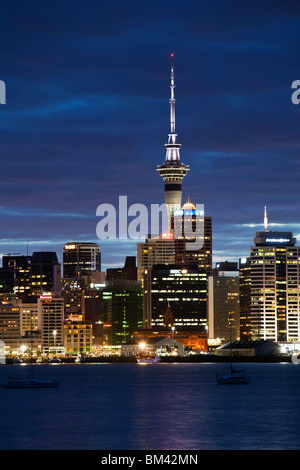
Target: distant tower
[{"x": 172, "y": 170}]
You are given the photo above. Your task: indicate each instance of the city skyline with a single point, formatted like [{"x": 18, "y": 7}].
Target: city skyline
[{"x": 87, "y": 110}]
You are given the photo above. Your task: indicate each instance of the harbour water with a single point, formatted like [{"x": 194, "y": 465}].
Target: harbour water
[{"x": 152, "y": 407}]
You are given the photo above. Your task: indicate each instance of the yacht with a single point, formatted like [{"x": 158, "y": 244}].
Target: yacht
[{"x": 235, "y": 377}]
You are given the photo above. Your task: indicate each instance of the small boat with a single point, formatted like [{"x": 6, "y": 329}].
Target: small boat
[
  {"x": 235, "y": 377},
  {"x": 16, "y": 382},
  {"x": 148, "y": 360},
  {"x": 55, "y": 360}
]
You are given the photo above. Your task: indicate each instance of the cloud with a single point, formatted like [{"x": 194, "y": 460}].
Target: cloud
[{"x": 87, "y": 114}]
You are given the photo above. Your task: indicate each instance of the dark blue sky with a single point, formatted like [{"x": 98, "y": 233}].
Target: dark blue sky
[{"x": 87, "y": 116}]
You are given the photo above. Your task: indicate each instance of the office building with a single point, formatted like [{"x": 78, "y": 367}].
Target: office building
[
  {"x": 275, "y": 297},
  {"x": 51, "y": 323},
  {"x": 45, "y": 274},
  {"x": 122, "y": 310},
  {"x": 156, "y": 250},
  {"x": 223, "y": 305},
  {"x": 182, "y": 288},
  {"x": 129, "y": 271},
  {"x": 245, "y": 299},
  {"x": 19, "y": 269},
  {"x": 78, "y": 337},
  {"x": 81, "y": 257},
  {"x": 28, "y": 317},
  {"x": 10, "y": 327}
]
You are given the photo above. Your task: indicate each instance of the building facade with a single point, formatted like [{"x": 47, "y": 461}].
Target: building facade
[
  {"x": 224, "y": 303},
  {"x": 51, "y": 323},
  {"x": 275, "y": 296},
  {"x": 180, "y": 287},
  {"x": 81, "y": 257}
]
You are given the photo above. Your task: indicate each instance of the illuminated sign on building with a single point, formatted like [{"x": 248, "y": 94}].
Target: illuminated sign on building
[
  {"x": 70, "y": 247},
  {"x": 278, "y": 240},
  {"x": 167, "y": 236}
]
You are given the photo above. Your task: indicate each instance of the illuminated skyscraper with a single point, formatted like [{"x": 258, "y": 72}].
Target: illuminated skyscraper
[
  {"x": 183, "y": 289},
  {"x": 274, "y": 280},
  {"x": 81, "y": 257},
  {"x": 172, "y": 170}
]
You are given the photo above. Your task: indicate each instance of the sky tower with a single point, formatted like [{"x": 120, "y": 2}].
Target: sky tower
[{"x": 172, "y": 170}]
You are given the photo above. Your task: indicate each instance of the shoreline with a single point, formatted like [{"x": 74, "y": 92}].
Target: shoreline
[{"x": 201, "y": 358}]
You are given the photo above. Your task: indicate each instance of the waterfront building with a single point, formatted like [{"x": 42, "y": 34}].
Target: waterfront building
[
  {"x": 51, "y": 323},
  {"x": 78, "y": 337},
  {"x": 155, "y": 345},
  {"x": 10, "y": 327},
  {"x": 193, "y": 339}
]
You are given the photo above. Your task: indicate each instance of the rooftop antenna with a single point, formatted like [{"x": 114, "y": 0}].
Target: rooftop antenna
[{"x": 266, "y": 220}]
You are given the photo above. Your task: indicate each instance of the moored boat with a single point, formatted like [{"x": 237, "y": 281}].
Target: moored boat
[
  {"x": 148, "y": 360},
  {"x": 15, "y": 382},
  {"x": 235, "y": 377}
]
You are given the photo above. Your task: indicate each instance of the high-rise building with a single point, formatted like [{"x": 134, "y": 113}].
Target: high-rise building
[
  {"x": 10, "y": 327},
  {"x": 193, "y": 232},
  {"x": 28, "y": 317},
  {"x": 82, "y": 271},
  {"x": 275, "y": 277},
  {"x": 182, "y": 288},
  {"x": 129, "y": 271},
  {"x": 81, "y": 257},
  {"x": 172, "y": 170},
  {"x": 45, "y": 274},
  {"x": 51, "y": 323},
  {"x": 245, "y": 299},
  {"x": 224, "y": 307},
  {"x": 122, "y": 310},
  {"x": 20, "y": 267},
  {"x": 156, "y": 250}
]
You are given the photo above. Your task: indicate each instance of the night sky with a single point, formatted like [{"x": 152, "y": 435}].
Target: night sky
[{"x": 87, "y": 116}]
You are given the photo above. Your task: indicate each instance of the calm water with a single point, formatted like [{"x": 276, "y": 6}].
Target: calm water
[{"x": 152, "y": 407}]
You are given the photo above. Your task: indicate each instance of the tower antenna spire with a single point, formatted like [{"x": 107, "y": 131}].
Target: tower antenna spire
[
  {"x": 172, "y": 99},
  {"x": 266, "y": 220}
]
